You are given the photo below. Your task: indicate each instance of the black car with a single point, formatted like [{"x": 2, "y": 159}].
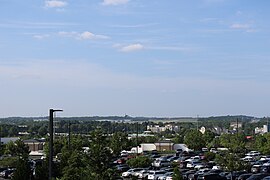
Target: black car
[
  {"x": 210, "y": 176},
  {"x": 258, "y": 176},
  {"x": 235, "y": 175},
  {"x": 244, "y": 176},
  {"x": 265, "y": 169}
]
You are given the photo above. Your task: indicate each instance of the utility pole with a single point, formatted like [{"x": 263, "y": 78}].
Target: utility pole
[
  {"x": 237, "y": 126},
  {"x": 51, "y": 112},
  {"x": 69, "y": 124},
  {"x": 137, "y": 135}
]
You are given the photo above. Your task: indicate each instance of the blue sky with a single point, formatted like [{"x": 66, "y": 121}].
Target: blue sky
[{"x": 136, "y": 57}]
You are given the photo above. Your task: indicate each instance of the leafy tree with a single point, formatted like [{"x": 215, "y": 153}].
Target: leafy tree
[
  {"x": 99, "y": 156},
  {"x": 76, "y": 166},
  {"x": 230, "y": 161},
  {"x": 139, "y": 161},
  {"x": 208, "y": 137},
  {"x": 234, "y": 142},
  {"x": 210, "y": 156},
  {"x": 8, "y": 162},
  {"x": 118, "y": 142},
  {"x": 177, "y": 174},
  {"x": 41, "y": 170},
  {"x": 194, "y": 140},
  {"x": 17, "y": 148},
  {"x": 13, "y": 131},
  {"x": 23, "y": 170},
  {"x": 262, "y": 143},
  {"x": 214, "y": 143},
  {"x": 43, "y": 130}
]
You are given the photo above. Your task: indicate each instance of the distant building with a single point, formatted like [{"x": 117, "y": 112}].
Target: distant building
[
  {"x": 235, "y": 125},
  {"x": 264, "y": 129},
  {"x": 202, "y": 130},
  {"x": 36, "y": 147},
  {"x": 165, "y": 145},
  {"x": 158, "y": 129},
  {"x": 219, "y": 130},
  {"x": 35, "y": 144}
]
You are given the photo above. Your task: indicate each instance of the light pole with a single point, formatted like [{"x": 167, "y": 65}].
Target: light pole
[{"x": 51, "y": 111}]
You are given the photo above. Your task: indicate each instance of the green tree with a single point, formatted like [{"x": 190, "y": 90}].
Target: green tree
[
  {"x": 23, "y": 170},
  {"x": 177, "y": 174},
  {"x": 139, "y": 161},
  {"x": 194, "y": 140},
  {"x": 17, "y": 148},
  {"x": 234, "y": 142},
  {"x": 118, "y": 142},
  {"x": 76, "y": 168},
  {"x": 41, "y": 170},
  {"x": 208, "y": 137},
  {"x": 214, "y": 143},
  {"x": 230, "y": 161},
  {"x": 99, "y": 156}
]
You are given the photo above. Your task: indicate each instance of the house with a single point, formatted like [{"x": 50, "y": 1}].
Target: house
[
  {"x": 36, "y": 147},
  {"x": 164, "y": 145},
  {"x": 35, "y": 144}
]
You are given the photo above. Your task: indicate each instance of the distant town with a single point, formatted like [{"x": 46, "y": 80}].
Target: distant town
[{"x": 124, "y": 147}]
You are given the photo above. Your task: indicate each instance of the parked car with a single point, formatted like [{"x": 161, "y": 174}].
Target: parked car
[
  {"x": 192, "y": 164},
  {"x": 130, "y": 172},
  {"x": 164, "y": 176},
  {"x": 234, "y": 175},
  {"x": 153, "y": 175},
  {"x": 142, "y": 174},
  {"x": 258, "y": 176},
  {"x": 161, "y": 163},
  {"x": 253, "y": 153},
  {"x": 209, "y": 176},
  {"x": 244, "y": 176},
  {"x": 7, "y": 173},
  {"x": 122, "y": 167}
]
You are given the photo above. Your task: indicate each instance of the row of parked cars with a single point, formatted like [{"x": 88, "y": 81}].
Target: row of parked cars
[
  {"x": 194, "y": 167},
  {"x": 7, "y": 172}
]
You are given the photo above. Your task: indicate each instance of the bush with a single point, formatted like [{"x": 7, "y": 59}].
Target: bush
[{"x": 139, "y": 161}]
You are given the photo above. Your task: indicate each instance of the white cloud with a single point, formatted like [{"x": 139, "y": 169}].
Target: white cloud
[
  {"x": 89, "y": 35},
  {"x": 132, "y": 47},
  {"x": 55, "y": 4},
  {"x": 240, "y": 26},
  {"x": 114, "y": 2},
  {"x": 41, "y": 36},
  {"x": 86, "y": 35}
]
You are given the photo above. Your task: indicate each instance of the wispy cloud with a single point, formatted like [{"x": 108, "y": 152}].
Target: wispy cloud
[
  {"x": 86, "y": 35},
  {"x": 130, "y": 47},
  {"x": 55, "y": 4},
  {"x": 35, "y": 25},
  {"x": 171, "y": 48},
  {"x": 246, "y": 27},
  {"x": 114, "y": 2},
  {"x": 134, "y": 25},
  {"x": 41, "y": 36},
  {"x": 240, "y": 26}
]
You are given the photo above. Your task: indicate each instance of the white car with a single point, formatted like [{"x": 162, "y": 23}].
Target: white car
[
  {"x": 164, "y": 176},
  {"x": 192, "y": 164},
  {"x": 194, "y": 158},
  {"x": 131, "y": 172},
  {"x": 142, "y": 174},
  {"x": 253, "y": 153},
  {"x": 153, "y": 174},
  {"x": 161, "y": 163},
  {"x": 248, "y": 158}
]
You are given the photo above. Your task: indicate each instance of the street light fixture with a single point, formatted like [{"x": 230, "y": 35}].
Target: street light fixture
[{"x": 51, "y": 111}]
